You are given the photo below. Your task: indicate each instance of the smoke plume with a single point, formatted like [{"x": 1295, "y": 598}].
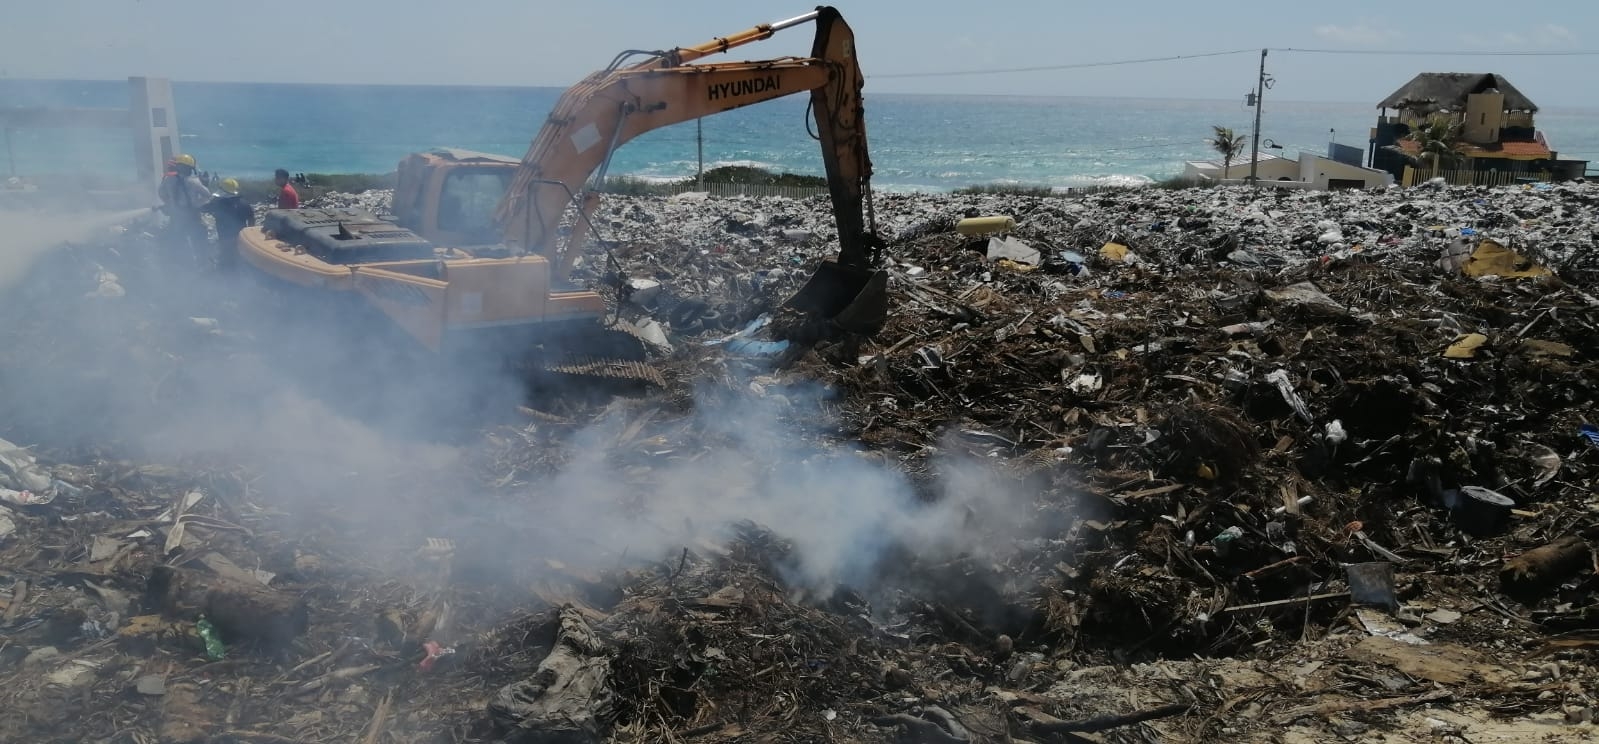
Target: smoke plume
[
  {"x": 193, "y": 366},
  {"x": 25, "y": 235}
]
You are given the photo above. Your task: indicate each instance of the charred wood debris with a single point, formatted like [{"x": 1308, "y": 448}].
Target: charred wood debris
[{"x": 1280, "y": 466}]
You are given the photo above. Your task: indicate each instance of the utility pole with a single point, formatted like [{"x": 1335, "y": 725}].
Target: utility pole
[
  {"x": 1254, "y": 150},
  {"x": 699, "y": 144}
]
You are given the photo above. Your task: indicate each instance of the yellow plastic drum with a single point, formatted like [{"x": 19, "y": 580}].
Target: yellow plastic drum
[{"x": 984, "y": 225}]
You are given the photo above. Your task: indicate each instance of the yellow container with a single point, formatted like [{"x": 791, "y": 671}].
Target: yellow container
[
  {"x": 1113, "y": 252},
  {"x": 982, "y": 225}
]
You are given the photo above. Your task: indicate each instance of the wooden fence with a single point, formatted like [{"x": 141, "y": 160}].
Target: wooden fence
[
  {"x": 626, "y": 185},
  {"x": 1414, "y": 176},
  {"x": 752, "y": 189}
]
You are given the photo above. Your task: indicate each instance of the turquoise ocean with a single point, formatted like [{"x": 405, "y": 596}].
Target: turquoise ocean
[{"x": 918, "y": 142}]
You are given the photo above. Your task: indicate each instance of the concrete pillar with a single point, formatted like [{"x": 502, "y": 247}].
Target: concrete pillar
[{"x": 153, "y": 119}]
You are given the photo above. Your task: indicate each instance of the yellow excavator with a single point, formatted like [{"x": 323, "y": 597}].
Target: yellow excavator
[{"x": 484, "y": 246}]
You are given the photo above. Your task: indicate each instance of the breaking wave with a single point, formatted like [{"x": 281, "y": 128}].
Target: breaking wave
[
  {"x": 773, "y": 167},
  {"x": 1114, "y": 180}
]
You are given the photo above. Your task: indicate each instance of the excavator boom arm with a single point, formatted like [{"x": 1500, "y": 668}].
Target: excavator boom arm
[
  {"x": 611, "y": 107},
  {"x": 685, "y": 55}
]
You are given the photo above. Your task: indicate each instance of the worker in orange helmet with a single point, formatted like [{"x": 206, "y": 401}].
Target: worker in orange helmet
[{"x": 184, "y": 199}]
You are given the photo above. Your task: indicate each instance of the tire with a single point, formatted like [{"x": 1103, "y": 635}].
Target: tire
[
  {"x": 687, "y": 312},
  {"x": 711, "y": 320}
]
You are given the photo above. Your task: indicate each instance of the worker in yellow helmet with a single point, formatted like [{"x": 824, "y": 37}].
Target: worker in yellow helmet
[
  {"x": 232, "y": 214},
  {"x": 184, "y": 198}
]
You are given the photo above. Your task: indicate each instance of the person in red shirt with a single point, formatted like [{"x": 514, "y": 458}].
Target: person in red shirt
[{"x": 288, "y": 198}]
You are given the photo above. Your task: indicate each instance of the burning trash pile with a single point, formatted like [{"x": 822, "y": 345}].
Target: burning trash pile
[{"x": 1126, "y": 466}]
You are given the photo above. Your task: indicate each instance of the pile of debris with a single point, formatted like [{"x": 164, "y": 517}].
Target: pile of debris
[
  {"x": 691, "y": 243},
  {"x": 1134, "y": 466},
  {"x": 375, "y": 200},
  {"x": 1246, "y": 405}
]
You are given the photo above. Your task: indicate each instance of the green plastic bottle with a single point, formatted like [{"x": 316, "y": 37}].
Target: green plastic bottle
[{"x": 213, "y": 639}]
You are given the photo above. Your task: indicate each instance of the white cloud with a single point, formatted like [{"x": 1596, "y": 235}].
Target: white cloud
[
  {"x": 978, "y": 52},
  {"x": 1556, "y": 32},
  {"x": 1546, "y": 36},
  {"x": 1360, "y": 34}
]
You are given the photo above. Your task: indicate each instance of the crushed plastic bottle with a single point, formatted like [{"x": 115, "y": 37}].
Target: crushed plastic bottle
[
  {"x": 1590, "y": 433},
  {"x": 1224, "y": 542},
  {"x": 1335, "y": 432},
  {"x": 433, "y": 652},
  {"x": 1246, "y": 329},
  {"x": 24, "y": 498},
  {"x": 213, "y": 640}
]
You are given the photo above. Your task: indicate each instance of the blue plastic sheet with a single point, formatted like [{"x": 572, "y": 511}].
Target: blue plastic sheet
[
  {"x": 744, "y": 342},
  {"x": 756, "y": 347}
]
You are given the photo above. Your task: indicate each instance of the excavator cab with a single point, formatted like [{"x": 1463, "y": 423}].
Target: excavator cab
[{"x": 448, "y": 195}]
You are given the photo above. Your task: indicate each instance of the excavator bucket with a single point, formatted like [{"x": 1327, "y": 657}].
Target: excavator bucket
[{"x": 852, "y": 298}]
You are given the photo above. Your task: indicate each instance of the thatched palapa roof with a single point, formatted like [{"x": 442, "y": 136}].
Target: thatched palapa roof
[{"x": 1447, "y": 91}]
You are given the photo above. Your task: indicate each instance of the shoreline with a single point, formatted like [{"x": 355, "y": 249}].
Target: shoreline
[
  {"x": 261, "y": 188},
  {"x": 564, "y": 86},
  {"x": 1557, "y": 109},
  {"x": 256, "y": 189}
]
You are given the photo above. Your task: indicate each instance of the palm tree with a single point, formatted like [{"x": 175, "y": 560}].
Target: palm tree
[
  {"x": 1436, "y": 144},
  {"x": 1227, "y": 144}
]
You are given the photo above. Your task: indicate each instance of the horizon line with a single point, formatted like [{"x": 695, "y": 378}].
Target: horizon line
[{"x": 486, "y": 86}]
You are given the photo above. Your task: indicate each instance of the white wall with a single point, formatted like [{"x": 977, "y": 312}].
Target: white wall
[
  {"x": 1270, "y": 169},
  {"x": 1319, "y": 170},
  {"x": 1265, "y": 184},
  {"x": 1309, "y": 172},
  {"x": 1275, "y": 169}
]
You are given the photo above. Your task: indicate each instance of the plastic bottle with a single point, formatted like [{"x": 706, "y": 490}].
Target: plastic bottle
[{"x": 213, "y": 640}]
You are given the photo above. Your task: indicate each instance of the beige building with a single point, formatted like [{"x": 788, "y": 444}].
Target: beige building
[{"x": 1492, "y": 120}]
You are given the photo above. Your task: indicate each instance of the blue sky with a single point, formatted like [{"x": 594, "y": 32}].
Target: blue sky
[{"x": 538, "y": 42}]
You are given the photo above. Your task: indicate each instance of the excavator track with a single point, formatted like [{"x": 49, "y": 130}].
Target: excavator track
[
  {"x": 611, "y": 356},
  {"x": 609, "y": 369}
]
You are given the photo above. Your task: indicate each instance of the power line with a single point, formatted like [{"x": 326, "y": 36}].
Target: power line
[
  {"x": 1446, "y": 53},
  {"x": 1290, "y": 50},
  {"x": 1071, "y": 66}
]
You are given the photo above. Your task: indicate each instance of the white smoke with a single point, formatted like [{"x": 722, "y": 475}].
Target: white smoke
[
  {"x": 745, "y": 458},
  {"x": 26, "y": 235},
  {"x": 278, "y": 397}
]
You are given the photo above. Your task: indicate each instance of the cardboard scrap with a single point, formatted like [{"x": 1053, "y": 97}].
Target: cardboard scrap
[
  {"x": 1444, "y": 663},
  {"x": 1305, "y": 294},
  {"x": 1113, "y": 252},
  {"x": 1493, "y": 259},
  {"x": 1466, "y": 346},
  {"x": 1539, "y": 348}
]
